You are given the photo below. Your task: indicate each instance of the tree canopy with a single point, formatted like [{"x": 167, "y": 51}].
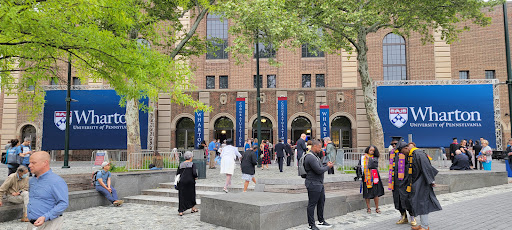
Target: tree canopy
[{"x": 36, "y": 35}]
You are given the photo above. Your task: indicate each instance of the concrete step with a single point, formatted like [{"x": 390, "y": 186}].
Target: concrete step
[
  {"x": 171, "y": 192},
  {"x": 156, "y": 200},
  {"x": 212, "y": 188}
]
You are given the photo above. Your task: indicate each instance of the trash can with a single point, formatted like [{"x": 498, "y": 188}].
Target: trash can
[
  {"x": 507, "y": 165},
  {"x": 200, "y": 166}
]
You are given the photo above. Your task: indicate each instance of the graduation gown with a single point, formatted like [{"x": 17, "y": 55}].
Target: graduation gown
[
  {"x": 400, "y": 194},
  {"x": 422, "y": 198},
  {"x": 377, "y": 190}
]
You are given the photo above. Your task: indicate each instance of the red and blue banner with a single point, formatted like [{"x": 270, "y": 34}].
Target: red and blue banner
[
  {"x": 282, "y": 118},
  {"x": 198, "y": 128},
  {"x": 324, "y": 121},
  {"x": 240, "y": 122}
]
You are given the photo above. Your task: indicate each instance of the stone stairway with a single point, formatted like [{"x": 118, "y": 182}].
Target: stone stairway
[{"x": 166, "y": 195}]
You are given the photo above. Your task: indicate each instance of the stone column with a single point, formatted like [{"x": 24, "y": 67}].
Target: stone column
[
  {"x": 362, "y": 124},
  {"x": 442, "y": 58},
  {"x": 163, "y": 127}
]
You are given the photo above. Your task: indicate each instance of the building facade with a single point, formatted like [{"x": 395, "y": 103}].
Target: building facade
[{"x": 308, "y": 79}]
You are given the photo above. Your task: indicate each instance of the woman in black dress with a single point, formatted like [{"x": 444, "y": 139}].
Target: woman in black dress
[
  {"x": 187, "y": 184},
  {"x": 372, "y": 183},
  {"x": 266, "y": 159}
]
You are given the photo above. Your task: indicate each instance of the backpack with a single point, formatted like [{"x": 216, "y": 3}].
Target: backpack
[
  {"x": 93, "y": 178},
  {"x": 302, "y": 167}
]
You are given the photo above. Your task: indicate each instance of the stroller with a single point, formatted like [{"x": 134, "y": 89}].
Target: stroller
[{"x": 359, "y": 172}]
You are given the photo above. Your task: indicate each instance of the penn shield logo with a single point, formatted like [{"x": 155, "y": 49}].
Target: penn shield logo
[
  {"x": 59, "y": 118},
  {"x": 398, "y": 116}
]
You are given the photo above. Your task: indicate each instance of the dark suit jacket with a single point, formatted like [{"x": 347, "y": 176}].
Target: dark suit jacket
[
  {"x": 288, "y": 149},
  {"x": 279, "y": 148},
  {"x": 453, "y": 147},
  {"x": 461, "y": 162},
  {"x": 301, "y": 147}
]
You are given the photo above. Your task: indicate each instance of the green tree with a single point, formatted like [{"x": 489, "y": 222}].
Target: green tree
[
  {"x": 346, "y": 24},
  {"x": 35, "y": 36}
]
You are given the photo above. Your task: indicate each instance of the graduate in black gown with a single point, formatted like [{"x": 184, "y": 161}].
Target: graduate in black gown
[
  {"x": 372, "y": 183},
  {"x": 400, "y": 182},
  {"x": 422, "y": 198}
]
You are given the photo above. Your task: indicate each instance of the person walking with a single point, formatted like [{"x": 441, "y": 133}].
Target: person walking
[
  {"x": 248, "y": 162},
  {"x": 372, "y": 184},
  {"x": 266, "y": 159},
  {"x": 289, "y": 152},
  {"x": 16, "y": 189},
  {"x": 227, "y": 162},
  {"x": 26, "y": 150},
  {"x": 187, "y": 185},
  {"x": 48, "y": 195},
  {"x": 280, "y": 149},
  {"x": 486, "y": 155},
  {"x": 476, "y": 149},
  {"x": 422, "y": 198},
  {"x": 13, "y": 157},
  {"x": 212, "y": 152},
  {"x": 315, "y": 185},
  {"x": 330, "y": 153},
  {"x": 103, "y": 185}
]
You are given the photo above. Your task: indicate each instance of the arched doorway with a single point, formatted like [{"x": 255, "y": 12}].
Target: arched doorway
[
  {"x": 223, "y": 129},
  {"x": 266, "y": 129},
  {"x": 29, "y": 131},
  {"x": 185, "y": 133},
  {"x": 341, "y": 132},
  {"x": 301, "y": 125}
]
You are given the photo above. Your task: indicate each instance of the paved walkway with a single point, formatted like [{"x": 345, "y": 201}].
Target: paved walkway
[{"x": 484, "y": 208}]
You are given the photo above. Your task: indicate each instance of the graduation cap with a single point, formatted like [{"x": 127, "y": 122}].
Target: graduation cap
[{"x": 396, "y": 138}]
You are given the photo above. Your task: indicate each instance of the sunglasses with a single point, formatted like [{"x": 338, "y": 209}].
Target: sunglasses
[{"x": 393, "y": 143}]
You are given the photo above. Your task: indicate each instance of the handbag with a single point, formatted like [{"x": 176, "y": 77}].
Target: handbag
[
  {"x": 262, "y": 155},
  {"x": 176, "y": 181}
]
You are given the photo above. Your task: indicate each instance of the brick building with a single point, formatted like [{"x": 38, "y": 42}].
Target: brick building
[{"x": 308, "y": 80}]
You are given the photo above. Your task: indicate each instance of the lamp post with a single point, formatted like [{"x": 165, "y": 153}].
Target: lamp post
[
  {"x": 509, "y": 68},
  {"x": 68, "y": 108},
  {"x": 258, "y": 98}
]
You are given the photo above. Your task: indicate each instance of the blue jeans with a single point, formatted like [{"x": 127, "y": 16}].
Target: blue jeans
[{"x": 110, "y": 196}]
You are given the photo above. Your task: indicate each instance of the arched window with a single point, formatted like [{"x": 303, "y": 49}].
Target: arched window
[
  {"x": 266, "y": 129},
  {"x": 341, "y": 132},
  {"x": 185, "y": 133},
  {"x": 301, "y": 125},
  {"x": 30, "y": 132},
  {"x": 223, "y": 129},
  {"x": 394, "y": 59},
  {"x": 217, "y": 35}
]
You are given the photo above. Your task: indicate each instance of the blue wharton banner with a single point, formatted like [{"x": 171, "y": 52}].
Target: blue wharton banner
[
  {"x": 240, "y": 122},
  {"x": 324, "y": 121},
  {"x": 96, "y": 121},
  {"x": 434, "y": 114},
  {"x": 199, "y": 128},
  {"x": 282, "y": 118}
]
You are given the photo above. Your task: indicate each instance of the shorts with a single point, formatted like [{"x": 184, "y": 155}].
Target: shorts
[{"x": 247, "y": 177}]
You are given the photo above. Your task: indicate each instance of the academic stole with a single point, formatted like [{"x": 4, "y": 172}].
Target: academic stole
[
  {"x": 367, "y": 174},
  {"x": 409, "y": 188},
  {"x": 391, "y": 181}
]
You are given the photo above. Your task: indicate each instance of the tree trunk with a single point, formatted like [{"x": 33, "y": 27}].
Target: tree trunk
[
  {"x": 133, "y": 144},
  {"x": 370, "y": 102}
]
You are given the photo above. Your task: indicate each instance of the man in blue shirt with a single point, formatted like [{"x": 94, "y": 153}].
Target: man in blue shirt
[
  {"x": 212, "y": 149},
  {"x": 103, "y": 184},
  {"x": 48, "y": 194}
]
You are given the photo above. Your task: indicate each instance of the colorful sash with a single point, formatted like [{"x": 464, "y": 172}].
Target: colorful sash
[
  {"x": 367, "y": 174},
  {"x": 400, "y": 168}
]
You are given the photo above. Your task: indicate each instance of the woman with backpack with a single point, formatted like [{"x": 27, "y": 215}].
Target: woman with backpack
[
  {"x": 13, "y": 158},
  {"x": 371, "y": 184}
]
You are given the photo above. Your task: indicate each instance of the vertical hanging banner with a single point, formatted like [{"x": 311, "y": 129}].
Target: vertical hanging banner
[
  {"x": 240, "y": 122},
  {"x": 324, "y": 121},
  {"x": 282, "y": 118},
  {"x": 199, "y": 128}
]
